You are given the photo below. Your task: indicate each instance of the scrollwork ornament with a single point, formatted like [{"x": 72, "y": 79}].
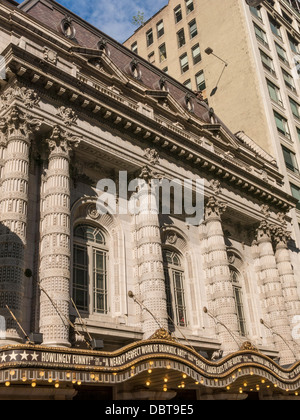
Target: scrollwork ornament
[
  {"x": 92, "y": 212},
  {"x": 152, "y": 155},
  {"x": 68, "y": 116}
]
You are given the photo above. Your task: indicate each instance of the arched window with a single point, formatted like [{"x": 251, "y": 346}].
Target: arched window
[
  {"x": 174, "y": 278},
  {"x": 90, "y": 257},
  {"x": 238, "y": 295}
]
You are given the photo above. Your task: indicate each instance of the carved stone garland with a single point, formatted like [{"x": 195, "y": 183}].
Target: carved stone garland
[{"x": 55, "y": 242}]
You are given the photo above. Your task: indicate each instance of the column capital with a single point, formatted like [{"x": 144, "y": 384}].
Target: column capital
[
  {"x": 263, "y": 232},
  {"x": 61, "y": 142},
  {"x": 28, "y": 97},
  {"x": 18, "y": 123},
  {"x": 214, "y": 208},
  {"x": 281, "y": 236}
]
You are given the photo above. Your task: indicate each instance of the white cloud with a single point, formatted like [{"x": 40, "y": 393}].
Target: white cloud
[{"x": 113, "y": 17}]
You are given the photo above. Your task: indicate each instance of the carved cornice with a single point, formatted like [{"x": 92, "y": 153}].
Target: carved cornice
[{"x": 100, "y": 102}]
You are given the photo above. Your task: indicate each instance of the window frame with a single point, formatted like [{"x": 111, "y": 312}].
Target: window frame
[
  {"x": 177, "y": 312},
  {"x": 92, "y": 247}
]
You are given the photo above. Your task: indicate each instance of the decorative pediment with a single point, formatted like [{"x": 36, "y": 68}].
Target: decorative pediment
[
  {"x": 101, "y": 60},
  {"x": 166, "y": 100}
]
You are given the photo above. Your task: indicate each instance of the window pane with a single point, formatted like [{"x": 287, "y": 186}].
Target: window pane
[
  {"x": 178, "y": 14},
  {"x": 100, "y": 282},
  {"x": 160, "y": 29},
  {"x": 294, "y": 108},
  {"x": 149, "y": 37},
  {"x": 193, "y": 29},
  {"x": 189, "y": 5},
  {"x": 184, "y": 63},
  {"x": 181, "y": 38},
  {"x": 200, "y": 81},
  {"x": 80, "y": 277},
  {"x": 296, "y": 193}
]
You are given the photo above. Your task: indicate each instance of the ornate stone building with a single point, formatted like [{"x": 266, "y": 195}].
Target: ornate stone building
[{"x": 193, "y": 311}]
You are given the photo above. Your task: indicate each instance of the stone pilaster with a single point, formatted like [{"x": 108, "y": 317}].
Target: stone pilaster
[
  {"x": 55, "y": 241},
  {"x": 150, "y": 260},
  {"x": 17, "y": 128},
  {"x": 222, "y": 301},
  {"x": 286, "y": 274},
  {"x": 272, "y": 293}
]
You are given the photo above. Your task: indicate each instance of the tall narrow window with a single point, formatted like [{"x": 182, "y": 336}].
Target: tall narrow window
[
  {"x": 160, "y": 29},
  {"x": 162, "y": 52},
  {"x": 174, "y": 278},
  {"x": 134, "y": 47},
  {"x": 288, "y": 80},
  {"x": 282, "y": 124},
  {"x": 200, "y": 81},
  {"x": 178, "y": 14},
  {"x": 181, "y": 38},
  {"x": 261, "y": 35},
  {"x": 238, "y": 295},
  {"x": 149, "y": 38},
  {"x": 281, "y": 54},
  {"x": 189, "y": 6},
  {"x": 90, "y": 255},
  {"x": 274, "y": 93},
  {"x": 193, "y": 28},
  {"x": 267, "y": 62},
  {"x": 290, "y": 160},
  {"x": 184, "y": 63},
  {"x": 295, "y": 108},
  {"x": 275, "y": 27},
  {"x": 196, "y": 53},
  {"x": 296, "y": 194}
]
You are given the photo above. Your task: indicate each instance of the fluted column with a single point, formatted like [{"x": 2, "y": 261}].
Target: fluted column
[
  {"x": 17, "y": 127},
  {"x": 222, "y": 304},
  {"x": 150, "y": 261},
  {"x": 286, "y": 274},
  {"x": 274, "y": 302},
  {"x": 55, "y": 241}
]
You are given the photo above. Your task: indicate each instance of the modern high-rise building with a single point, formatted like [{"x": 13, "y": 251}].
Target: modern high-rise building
[{"x": 244, "y": 57}]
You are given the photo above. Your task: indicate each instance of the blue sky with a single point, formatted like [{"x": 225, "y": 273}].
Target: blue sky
[{"x": 113, "y": 17}]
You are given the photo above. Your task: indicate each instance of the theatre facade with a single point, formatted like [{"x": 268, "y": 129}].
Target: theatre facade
[{"x": 145, "y": 250}]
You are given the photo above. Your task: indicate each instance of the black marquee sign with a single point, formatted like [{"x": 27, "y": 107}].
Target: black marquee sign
[{"x": 245, "y": 362}]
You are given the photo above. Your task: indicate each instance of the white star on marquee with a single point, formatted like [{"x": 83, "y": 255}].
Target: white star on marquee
[
  {"x": 3, "y": 357},
  {"x": 24, "y": 356},
  {"x": 13, "y": 356},
  {"x": 34, "y": 356}
]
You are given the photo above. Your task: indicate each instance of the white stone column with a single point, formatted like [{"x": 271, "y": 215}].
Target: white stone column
[
  {"x": 17, "y": 127},
  {"x": 287, "y": 276},
  {"x": 222, "y": 301},
  {"x": 150, "y": 261},
  {"x": 55, "y": 242},
  {"x": 274, "y": 302}
]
